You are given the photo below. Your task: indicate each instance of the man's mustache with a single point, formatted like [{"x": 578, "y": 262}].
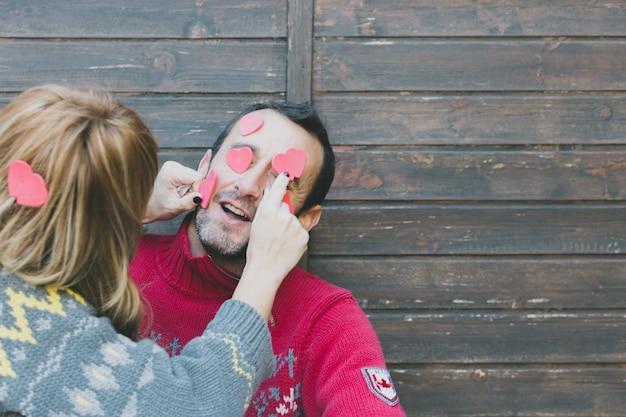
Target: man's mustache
[{"x": 246, "y": 203}]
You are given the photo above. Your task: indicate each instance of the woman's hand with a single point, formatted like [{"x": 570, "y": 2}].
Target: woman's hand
[
  {"x": 277, "y": 242},
  {"x": 165, "y": 201},
  {"x": 277, "y": 239}
]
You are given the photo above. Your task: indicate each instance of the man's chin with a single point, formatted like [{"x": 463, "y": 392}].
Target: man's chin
[
  {"x": 226, "y": 254},
  {"x": 221, "y": 246}
]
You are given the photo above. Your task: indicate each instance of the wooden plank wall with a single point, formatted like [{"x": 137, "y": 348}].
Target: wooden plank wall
[
  {"x": 479, "y": 210},
  {"x": 186, "y": 66}
]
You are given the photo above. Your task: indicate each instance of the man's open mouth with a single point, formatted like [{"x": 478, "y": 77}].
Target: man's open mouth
[{"x": 235, "y": 212}]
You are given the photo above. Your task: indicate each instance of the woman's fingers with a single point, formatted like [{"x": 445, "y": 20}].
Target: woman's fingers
[
  {"x": 187, "y": 201},
  {"x": 274, "y": 197}
]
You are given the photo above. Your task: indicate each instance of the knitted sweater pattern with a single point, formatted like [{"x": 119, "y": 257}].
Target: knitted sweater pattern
[
  {"x": 58, "y": 359},
  {"x": 325, "y": 348}
]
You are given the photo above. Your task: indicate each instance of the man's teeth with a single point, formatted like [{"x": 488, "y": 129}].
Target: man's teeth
[{"x": 235, "y": 210}]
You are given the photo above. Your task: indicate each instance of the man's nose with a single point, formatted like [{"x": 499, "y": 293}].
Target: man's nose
[{"x": 252, "y": 183}]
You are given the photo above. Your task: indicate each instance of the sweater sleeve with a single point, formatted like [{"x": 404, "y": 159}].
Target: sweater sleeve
[
  {"x": 344, "y": 368},
  {"x": 103, "y": 373}
]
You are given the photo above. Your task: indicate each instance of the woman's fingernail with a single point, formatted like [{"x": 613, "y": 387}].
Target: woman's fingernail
[{"x": 197, "y": 200}]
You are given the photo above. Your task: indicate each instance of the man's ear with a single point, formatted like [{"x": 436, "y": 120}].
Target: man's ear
[
  {"x": 310, "y": 218},
  {"x": 204, "y": 163}
]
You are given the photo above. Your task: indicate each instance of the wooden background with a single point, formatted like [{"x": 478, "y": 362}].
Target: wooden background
[{"x": 479, "y": 209}]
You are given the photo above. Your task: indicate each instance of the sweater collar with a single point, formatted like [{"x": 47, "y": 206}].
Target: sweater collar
[{"x": 197, "y": 276}]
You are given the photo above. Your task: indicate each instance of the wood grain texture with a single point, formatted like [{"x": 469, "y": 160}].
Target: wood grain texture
[
  {"x": 424, "y": 175},
  {"x": 491, "y": 18},
  {"x": 185, "y": 121},
  {"x": 190, "y": 121},
  {"x": 473, "y": 119},
  {"x": 166, "y": 227},
  {"x": 143, "y": 19},
  {"x": 462, "y": 174},
  {"x": 478, "y": 212},
  {"x": 407, "y": 229},
  {"x": 426, "y": 282},
  {"x": 512, "y": 391},
  {"x": 142, "y": 66},
  {"x": 300, "y": 50},
  {"x": 461, "y": 65},
  {"x": 502, "y": 337}
]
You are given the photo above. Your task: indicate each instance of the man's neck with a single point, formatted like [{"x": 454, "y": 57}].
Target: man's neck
[{"x": 233, "y": 266}]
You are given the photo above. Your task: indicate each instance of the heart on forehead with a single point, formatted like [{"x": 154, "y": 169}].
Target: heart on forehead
[
  {"x": 207, "y": 186},
  {"x": 28, "y": 187},
  {"x": 249, "y": 124},
  {"x": 291, "y": 162},
  {"x": 239, "y": 159}
]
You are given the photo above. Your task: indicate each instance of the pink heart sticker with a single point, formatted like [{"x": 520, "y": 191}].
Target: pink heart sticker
[
  {"x": 28, "y": 187},
  {"x": 249, "y": 124},
  {"x": 292, "y": 162},
  {"x": 287, "y": 200},
  {"x": 239, "y": 159},
  {"x": 207, "y": 186}
]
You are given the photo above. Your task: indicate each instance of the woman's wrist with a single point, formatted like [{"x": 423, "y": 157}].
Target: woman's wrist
[
  {"x": 259, "y": 297},
  {"x": 266, "y": 274},
  {"x": 258, "y": 287}
]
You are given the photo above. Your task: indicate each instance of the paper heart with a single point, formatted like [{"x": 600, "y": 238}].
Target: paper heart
[
  {"x": 287, "y": 200},
  {"x": 28, "y": 187},
  {"x": 207, "y": 186},
  {"x": 239, "y": 159},
  {"x": 249, "y": 124},
  {"x": 291, "y": 162}
]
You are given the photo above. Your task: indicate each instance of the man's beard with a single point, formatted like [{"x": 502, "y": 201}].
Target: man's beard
[{"x": 214, "y": 238}]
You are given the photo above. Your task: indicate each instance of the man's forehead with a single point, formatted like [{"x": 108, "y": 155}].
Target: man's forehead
[{"x": 277, "y": 134}]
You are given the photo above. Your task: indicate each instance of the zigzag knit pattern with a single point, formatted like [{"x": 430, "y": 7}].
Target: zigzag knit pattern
[{"x": 58, "y": 359}]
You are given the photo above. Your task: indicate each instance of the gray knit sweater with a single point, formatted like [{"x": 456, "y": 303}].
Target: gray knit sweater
[{"x": 57, "y": 359}]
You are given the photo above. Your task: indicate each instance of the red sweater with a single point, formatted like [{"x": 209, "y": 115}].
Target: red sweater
[{"x": 328, "y": 359}]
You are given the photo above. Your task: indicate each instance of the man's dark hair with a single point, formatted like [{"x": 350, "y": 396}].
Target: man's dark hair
[{"x": 305, "y": 116}]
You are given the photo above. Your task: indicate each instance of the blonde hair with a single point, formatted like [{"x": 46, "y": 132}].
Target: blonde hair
[{"x": 99, "y": 161}]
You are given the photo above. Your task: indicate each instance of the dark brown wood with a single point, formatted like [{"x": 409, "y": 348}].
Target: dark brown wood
[
  {"x": 164, "y": 66},
  {"x": 406, "y": 229},
  {"x": 478, "y": 283},
  {"x": 512, "y": 391},
  {"x": 411, "y": 120},
  {"x": 168, "y": 227},
  {"x": 470, "y": 18},
  {"x": 467, "y": 174},
  {"x": 478, "y": 212},
  {"x": 479, "y": 65},
  {"x": 476, "y": 119},
  {"x": 300, "y": 50},
  {"x": 187, "y": 121},
  {"x": 144, "y": 19},
  {"x": 300, "y": 61},
  {"x": 502, "y": 337},
  {"x": 188, "y": 157}
]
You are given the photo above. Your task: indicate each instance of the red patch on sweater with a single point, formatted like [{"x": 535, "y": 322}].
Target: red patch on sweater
[{"x": 379, "y": 382}]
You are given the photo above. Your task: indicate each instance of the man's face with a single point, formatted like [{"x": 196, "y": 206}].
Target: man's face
[{"x": 221, "y": 228}]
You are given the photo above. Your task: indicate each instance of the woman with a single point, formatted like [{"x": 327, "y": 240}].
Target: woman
[{"x": 69, "y": 314}]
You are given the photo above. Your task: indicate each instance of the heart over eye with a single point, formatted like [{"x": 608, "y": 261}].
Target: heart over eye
[
  {"x": 239, "y": 159},
  {"x": 292, "y": 162}
]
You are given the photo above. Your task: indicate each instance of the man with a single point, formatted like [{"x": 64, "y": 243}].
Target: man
[{"x": 328, "y": 359}]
